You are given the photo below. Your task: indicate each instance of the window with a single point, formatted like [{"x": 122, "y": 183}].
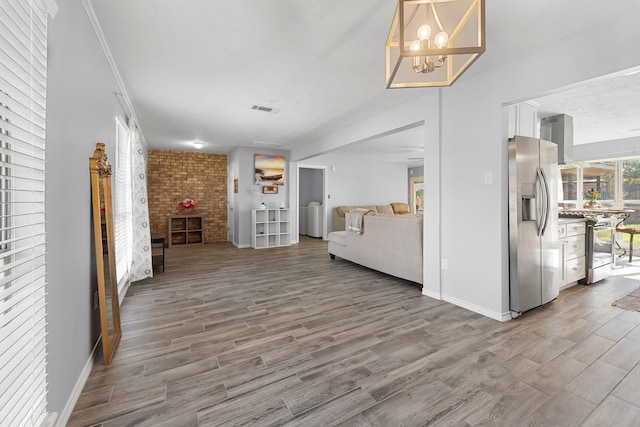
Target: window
[
  {"x": 23, "y": 52},
  {"x": 123, "y": 215},
  {"x": 631, "y": 189},
  {"x": 600, "y": 177},
  {"x": 617, "y": 181},
  {"x": 569, "y": 196}
]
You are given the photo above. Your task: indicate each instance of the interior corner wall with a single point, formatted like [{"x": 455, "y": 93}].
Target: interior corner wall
[
  {"x": 480, "y": 281},
  {"x": 361, "y": 182},
  {"x": 176, "y": 175},
  {"x": 81, "y": 111},
  {"x": 247, "y": 199}
]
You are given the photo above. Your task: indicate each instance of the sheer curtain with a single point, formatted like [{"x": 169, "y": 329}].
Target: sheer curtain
[{"x": 141, "y": 266}]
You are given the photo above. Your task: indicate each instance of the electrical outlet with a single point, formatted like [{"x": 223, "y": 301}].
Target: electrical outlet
[
  {"x": 95, "y": 300},
  {"x": 445, "y": 264}
]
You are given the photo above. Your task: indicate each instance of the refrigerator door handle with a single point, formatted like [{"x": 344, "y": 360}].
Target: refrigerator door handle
[
  {"x": 547, "y": 202},
  {"x": 539, "y": 202}
]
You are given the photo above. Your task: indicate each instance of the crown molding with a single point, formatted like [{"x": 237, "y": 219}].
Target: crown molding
[
  {"x": 52, "y": 7},
  {"x": 114, "y": 68}
]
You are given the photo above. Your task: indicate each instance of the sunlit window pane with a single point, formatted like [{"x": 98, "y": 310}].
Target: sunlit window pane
[
  {"x": 631, "y": 189},
  {"x": 569, "y": 194},
  {"x": 598, "y": 183}
]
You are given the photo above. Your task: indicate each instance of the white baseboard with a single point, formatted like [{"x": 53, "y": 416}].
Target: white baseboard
[
  {"x": 63, "y": 419},
  {"x": 431, "y": 294},
  {"x": 500, "y": 317},
  {"x": 123, "y": 291},
  {"x": 243, "y": 246}
]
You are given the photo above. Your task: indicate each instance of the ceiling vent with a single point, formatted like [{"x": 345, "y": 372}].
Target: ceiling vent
[
  {"x": 265, "y": 144},
  {"x": 265, "y": 109}
]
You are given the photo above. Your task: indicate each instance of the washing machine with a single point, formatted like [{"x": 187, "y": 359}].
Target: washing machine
[{"x": 314, "y": 219}]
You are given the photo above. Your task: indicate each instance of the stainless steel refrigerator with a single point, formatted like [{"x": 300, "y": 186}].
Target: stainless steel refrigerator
[{"x": 534, "y": 256}]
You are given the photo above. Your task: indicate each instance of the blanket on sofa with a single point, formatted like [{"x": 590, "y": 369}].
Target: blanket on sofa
[{"x": 356, "y": 225}]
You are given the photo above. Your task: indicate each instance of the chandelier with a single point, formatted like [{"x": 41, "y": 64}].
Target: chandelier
[{"x": 432, "y": 42}]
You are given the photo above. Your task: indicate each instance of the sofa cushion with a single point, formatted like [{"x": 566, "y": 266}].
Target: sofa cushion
[
  {"x": 385, "y": 209},
  {"x": 338, "y": 237},
  {"x": 400, "y": 208},
  {"x": 342, "y": 210}
]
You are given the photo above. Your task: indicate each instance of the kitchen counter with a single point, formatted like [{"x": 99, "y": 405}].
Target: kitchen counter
[
  {"x": 617, "y": 215},
  {"x": 564, "y": 220},
  {"x": 604, "y": 212}
]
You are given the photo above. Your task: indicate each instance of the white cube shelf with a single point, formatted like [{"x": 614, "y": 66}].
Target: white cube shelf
[{"x": 270, "y": 228}]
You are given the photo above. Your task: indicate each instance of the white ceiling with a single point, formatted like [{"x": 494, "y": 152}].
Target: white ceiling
[
  {"x": 604, "y": 109},
  {"x": 193, "y": 69}
]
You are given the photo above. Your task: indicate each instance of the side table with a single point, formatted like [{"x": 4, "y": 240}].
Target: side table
[{"x": 157, "y": 250}]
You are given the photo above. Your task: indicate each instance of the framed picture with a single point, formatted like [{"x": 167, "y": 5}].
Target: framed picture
[
  {"x": 235, "y": 185},
  {"x": 270, "y": 189},
  {"x": 269, "y": 170}
]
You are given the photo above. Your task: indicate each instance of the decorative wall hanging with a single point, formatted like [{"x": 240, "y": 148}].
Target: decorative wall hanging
[
  {"x": 269, "y": 170},
  {"x": 270, "y": 189}
]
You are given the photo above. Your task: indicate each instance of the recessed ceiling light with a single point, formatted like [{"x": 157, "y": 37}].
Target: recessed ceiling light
[{"x": 198, "y": 144}]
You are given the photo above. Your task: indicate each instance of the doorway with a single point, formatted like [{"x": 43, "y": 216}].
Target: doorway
[
  {"x": 416, "y": 193},
  {"x": 312, "y": 218},
  {"x": 232, "y": 189}
]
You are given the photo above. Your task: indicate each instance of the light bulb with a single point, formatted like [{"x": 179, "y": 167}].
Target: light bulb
[
  {"x": 415, "y": 45},
  {"x": 424, "y": 32},
  {"x": 441, "y": 39},
  {"x": 198, "y": 145}
]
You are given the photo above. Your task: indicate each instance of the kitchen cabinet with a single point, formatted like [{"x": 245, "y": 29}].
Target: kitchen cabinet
[
  {"x": 523, "y": 120},
  {"x": 571, "y": 237}
]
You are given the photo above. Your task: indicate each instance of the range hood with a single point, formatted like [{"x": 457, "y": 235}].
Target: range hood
[{"x": 559, "y": 129}]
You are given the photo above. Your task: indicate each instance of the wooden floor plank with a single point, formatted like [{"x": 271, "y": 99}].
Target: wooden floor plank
[{"x": 287, "y": 336}]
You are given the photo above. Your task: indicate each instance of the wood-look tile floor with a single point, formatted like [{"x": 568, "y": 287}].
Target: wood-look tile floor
[{"x": 286, "y": 336}]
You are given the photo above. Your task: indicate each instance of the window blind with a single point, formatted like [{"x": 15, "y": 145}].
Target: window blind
[
  {"x": 123, "y": 216},
  {"x": 23, "y": 69}
]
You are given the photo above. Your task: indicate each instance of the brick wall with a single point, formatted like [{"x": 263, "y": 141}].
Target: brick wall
[{"x": 177, "y": 175}]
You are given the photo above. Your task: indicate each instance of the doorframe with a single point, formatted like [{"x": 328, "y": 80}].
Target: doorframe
[
  {"x": 230, "y": 202},
  {"x": 325, "y": 191}
]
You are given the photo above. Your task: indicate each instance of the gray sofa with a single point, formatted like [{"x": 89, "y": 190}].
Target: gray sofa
[{"x": 391, "y": 244}]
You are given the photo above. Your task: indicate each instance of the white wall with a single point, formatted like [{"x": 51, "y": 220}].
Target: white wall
[
  {"x": 80, "y": 112},
  {"x": 243, "y": 159},
  {"x": 361, "y": 183}
]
